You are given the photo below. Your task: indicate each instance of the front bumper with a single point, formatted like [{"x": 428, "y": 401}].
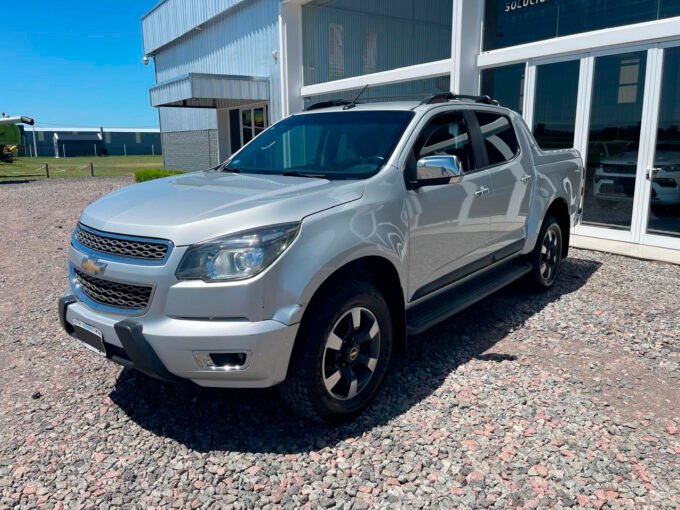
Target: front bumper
[{"x": 166, "y": 348}]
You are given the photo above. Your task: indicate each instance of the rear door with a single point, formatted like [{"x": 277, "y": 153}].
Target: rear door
[
  {"x": 510, "y": 190},
  {"x": 449, "y": 223}
]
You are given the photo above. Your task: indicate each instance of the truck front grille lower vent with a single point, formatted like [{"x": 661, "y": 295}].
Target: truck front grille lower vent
[{"x": 125, "y": 296}]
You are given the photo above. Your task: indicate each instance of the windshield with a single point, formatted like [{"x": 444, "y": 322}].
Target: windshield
[{"x": 333, "y": 145}]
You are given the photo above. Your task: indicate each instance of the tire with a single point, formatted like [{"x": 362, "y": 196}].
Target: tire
[
  {"x": 547, "y": 255},
  {"x": 337, "y": 367}
]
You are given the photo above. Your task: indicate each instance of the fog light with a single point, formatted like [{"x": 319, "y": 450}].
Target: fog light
[{"x": 221, "y": 360}]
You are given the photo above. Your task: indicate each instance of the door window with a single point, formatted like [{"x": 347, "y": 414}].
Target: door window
[
  {"x": 446, "y": 134},
  {"x": 500, "y": 140}
]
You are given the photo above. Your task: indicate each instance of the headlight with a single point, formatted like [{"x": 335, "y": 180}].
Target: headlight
[{"x": 238, "y": 256}]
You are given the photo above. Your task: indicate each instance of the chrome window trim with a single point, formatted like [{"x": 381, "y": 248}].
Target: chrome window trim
[
  {"x": 118, "y": 258},
  {"x": 84, "y": 298}
]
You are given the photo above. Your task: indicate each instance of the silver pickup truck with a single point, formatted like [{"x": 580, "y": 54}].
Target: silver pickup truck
[{"x": 311, "y": 255}]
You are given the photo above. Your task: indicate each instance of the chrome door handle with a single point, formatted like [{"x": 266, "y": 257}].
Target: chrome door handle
[
  {"x": 526, "y": 178},
  {"x": 482, "y": 191},
  {"x": 651, "y": 172}
]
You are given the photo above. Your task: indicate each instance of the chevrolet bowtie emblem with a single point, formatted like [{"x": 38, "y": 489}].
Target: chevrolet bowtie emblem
[{"x": 92, "y": 266}]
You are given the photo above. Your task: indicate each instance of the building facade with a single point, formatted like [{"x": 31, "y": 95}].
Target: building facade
[
  {"x": 599, "y": 75},
  {"x": 68, "y": 141}
]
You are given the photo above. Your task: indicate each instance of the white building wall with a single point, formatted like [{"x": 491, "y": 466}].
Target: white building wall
[{"x": 187, "y": 119}]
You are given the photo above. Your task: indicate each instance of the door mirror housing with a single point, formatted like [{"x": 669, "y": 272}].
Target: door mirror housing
[{"x": 434, "y": 170}]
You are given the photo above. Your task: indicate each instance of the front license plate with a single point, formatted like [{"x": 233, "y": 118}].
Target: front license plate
[{"x": 89, "y": 336}]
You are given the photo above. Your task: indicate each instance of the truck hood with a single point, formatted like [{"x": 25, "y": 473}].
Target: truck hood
[{"x": 199, "y": 206}]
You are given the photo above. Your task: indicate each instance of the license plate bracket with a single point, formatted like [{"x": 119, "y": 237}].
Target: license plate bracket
[{"x": 89, "y": 336}]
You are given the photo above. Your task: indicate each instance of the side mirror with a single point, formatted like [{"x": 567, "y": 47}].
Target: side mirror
[{"x": 433, "y": 170}]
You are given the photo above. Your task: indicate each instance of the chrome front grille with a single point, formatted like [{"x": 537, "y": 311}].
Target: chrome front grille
[
  {"x": 124, "y": 296},
  {"x": 127, "y": 247}
]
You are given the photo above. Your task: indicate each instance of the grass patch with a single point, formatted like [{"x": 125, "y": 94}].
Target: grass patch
[
  {"x": 149, "y": 174},
  {"x": 78, "y": 167}
]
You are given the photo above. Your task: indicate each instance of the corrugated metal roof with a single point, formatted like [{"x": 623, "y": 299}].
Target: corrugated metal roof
[
  {"x": 171, "y": 19},
  {"x": 198, "y": 90}
]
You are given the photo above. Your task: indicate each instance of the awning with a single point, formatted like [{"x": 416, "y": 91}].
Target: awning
[{"x": 196, "y": 90}]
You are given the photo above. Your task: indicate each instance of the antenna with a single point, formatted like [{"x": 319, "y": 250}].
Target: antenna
[{"x": 354, "y": 101}]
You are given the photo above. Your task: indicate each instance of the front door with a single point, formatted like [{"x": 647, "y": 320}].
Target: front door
[{"x": 449, "y": 223}]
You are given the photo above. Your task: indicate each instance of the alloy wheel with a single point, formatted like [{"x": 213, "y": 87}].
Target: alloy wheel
[
  {"x": 550, "y": 251},
  {"x": 351, "y": 353}
]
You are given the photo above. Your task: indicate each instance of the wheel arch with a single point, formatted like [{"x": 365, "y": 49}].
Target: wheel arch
[
  {"x": 382, "y": 273},
  {"x": 560, "y": 210}
]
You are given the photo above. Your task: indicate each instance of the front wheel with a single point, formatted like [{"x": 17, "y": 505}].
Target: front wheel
[
  {"x": 341, "y": 353},
  {"x": 547, "y": 255}
]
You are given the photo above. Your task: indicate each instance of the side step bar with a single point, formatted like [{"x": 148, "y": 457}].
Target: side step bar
[{"x": 426, "y": 314}]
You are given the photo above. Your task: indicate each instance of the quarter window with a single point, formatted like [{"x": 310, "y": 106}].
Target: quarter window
[
  {"x": 499, "y": 137},
  {"x": 446, "y": 134}
]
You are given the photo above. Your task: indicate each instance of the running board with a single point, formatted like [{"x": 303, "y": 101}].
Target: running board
[{"x": 426, "y": 314}]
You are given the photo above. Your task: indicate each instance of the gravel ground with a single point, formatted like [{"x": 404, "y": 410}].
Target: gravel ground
[{"x": 569, "y": 398}]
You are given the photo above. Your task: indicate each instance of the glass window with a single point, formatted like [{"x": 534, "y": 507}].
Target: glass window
[
  {"x": 247, "y": 125},
  {"x": 512, "y": 22},
  {"x": 555, "y": 104},
  {"x": 668, "y": 8},
  {"x": 446, "y": 134},
  {"x": 509, "y": 23},
  {"x": 336, "y": 145},
  {"x": 664, "y": 216},
  {"x": 613, "y": 137},
  {"x": 505, "y": 85},
  {"x": 345, "y": 38},
  {"x": 499, "y": 137},
  {"x": 587, "y": 15}
]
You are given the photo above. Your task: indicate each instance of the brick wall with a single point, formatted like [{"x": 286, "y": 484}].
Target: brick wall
[{"x": 190, "y": 150}]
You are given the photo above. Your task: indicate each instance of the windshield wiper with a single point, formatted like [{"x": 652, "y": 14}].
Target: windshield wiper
[
  {"x": 226, "y": 168},
  {"x": 296, "y": 173}
]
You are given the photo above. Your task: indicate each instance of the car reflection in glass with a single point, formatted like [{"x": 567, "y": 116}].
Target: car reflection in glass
[{"x": 615, "y": 176}]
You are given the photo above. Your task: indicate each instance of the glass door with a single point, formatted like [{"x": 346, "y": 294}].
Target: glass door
[
  {"x": 660, "y": 217},
  {"x": 613, "y": 149},
  {"x": 253, "y": 122}
]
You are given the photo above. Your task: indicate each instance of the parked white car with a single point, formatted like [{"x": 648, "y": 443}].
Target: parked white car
[{"x": 615, "y": 176}]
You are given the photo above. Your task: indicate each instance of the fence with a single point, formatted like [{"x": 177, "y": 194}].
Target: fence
[{"x": 45, "y": 172}]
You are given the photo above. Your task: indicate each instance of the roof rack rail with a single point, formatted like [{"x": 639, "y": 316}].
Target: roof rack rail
[
  {"x": 327, "y": 104},
  {"x": 450, "y": 96}
]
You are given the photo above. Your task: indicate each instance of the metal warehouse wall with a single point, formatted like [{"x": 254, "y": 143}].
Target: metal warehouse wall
[
  {"x": 134, "y": 143},
  {"x": 113, "y": 142},
  {"x": 171, "y": 19},
  {"x": 238, "y": 42}
]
